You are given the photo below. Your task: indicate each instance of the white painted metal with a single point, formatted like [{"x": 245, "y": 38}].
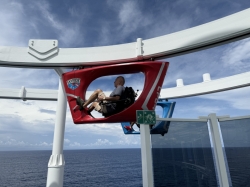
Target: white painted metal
[
  {"x": 28, "y": 94},
  {"x": 206, "y": 77},
  {"x": 218, "y": 151},
  {"x": 22, "y": 93},
  {"x": 219, "y": 117},
  {"x": 56, "y": 162},
  {"x": 43, "y": 46},
  {"x": 182, "y": 119},
  {"x": 139, "y": 49},
  {"x": 218, "y": 85},
  {"x": 43, "y": 49},
  {"x": 33, "y": 94},
  {"x": 179, "y": 83},
  {"x": 59, "y": 71},
  {"x": 221, "y": 31},
  {"x": 146, "y": 157},
  {"x": 234, "y": 118}
]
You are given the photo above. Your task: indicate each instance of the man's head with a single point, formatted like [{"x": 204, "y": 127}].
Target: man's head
[{"x": 119, "y": 81}]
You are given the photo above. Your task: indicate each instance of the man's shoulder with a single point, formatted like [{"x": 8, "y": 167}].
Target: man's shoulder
[
  {"x": 118, "y": 90},
  {"x": 120, "y": 87}
]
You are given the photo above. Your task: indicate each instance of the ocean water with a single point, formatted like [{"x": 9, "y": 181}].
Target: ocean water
[
  {"x": 189, "y": 167},
  {"x": 103, "y": 167},
  {"x": 175, "y": 167}
]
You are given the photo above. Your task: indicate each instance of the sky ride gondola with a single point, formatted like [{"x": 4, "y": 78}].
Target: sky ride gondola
[
  {"x": 76, "y": 84},
  {"x": 160, "y": 127}
]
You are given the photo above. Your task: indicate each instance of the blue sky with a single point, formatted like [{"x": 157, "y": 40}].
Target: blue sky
[{"x": 81, "y": 23}]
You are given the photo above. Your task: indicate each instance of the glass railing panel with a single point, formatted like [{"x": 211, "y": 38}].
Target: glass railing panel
[
  {"x": 236, "y": 138},
  {"x": 183, "y": 156}
]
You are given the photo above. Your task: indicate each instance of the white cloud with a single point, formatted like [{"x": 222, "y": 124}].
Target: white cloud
[
  {"x": 220, "y": 62},
  {"x": 75, "y": 144},
  {"x": 237, "y": 57},
  {"x": 97, "y": 129},
  {"x": 18, "y": 26},
  {"x": 66, "y": 140},
  {"x": 125, "y": 140},
  {"x": 129, "y": 140},
  {"x": 68, "y": 32},
  {"x": 101, "y": 142},
  {"x": 14, "y": 142},
  {"x": 208, "y": 109},
  {"x": 11, "y": 23},
  {"x": 131, "y": 17},
  {"x": 237, "y": 99},
  {"x": 30, "y": 78},
  {"x": 10, "y": 142},
  {"x": 29, "y": 114},
  {"x": 45, "y": 144}
]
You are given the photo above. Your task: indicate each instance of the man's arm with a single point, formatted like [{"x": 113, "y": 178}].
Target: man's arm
[
  {"x": 116, "y": 94},
  {"x": 115, "y": 98}
]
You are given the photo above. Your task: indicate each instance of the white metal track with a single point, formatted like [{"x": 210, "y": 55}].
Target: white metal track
[
  {"x": 218, "y": 85},
  {"x": 28, "y": 94},
  {"x": 47, "y": 54}
]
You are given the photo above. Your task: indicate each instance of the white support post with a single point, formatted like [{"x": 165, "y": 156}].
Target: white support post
[
  {"x": 56, "y": 162},
  {"x": 218, "y": 151},
  {"x": 146, "y": 156}
]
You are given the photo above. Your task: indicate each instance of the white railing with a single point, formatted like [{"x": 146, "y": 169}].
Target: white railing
[{"x": 206, "y": 87}]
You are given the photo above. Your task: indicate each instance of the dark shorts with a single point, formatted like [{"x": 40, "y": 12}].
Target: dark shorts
[{"x": 107, "y": 109}]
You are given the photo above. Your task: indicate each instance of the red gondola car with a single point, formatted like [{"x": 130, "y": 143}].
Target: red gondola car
[{"x": 77, "y": 82}]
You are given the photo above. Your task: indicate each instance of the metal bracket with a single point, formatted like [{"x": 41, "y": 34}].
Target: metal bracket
[
  {"x": 43, "y": 49},
  {"x": 219, "y": 157},
  {"x": 22, "y": 93},
  {"x": 218, "y": 117},
  {"x": 56, "y": 160},
  {"x": 139, "y": 49}
]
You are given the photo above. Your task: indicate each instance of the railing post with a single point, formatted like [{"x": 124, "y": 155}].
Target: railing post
[
  {"x": 56, "y": 162},
  {"x": 218, "y": 151},
  {"x": 146, "y": 156}
]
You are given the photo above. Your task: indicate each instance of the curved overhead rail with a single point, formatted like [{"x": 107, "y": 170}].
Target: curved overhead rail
[
  {"x": 46, "y": 54},
  {"x": 212, "y": 86}
]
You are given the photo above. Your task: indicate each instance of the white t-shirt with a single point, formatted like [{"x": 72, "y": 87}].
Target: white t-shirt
[{"x": 117, "y": 92}]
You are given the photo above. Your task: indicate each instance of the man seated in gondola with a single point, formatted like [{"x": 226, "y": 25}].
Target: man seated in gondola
[{"x": 98, "y": 96}]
